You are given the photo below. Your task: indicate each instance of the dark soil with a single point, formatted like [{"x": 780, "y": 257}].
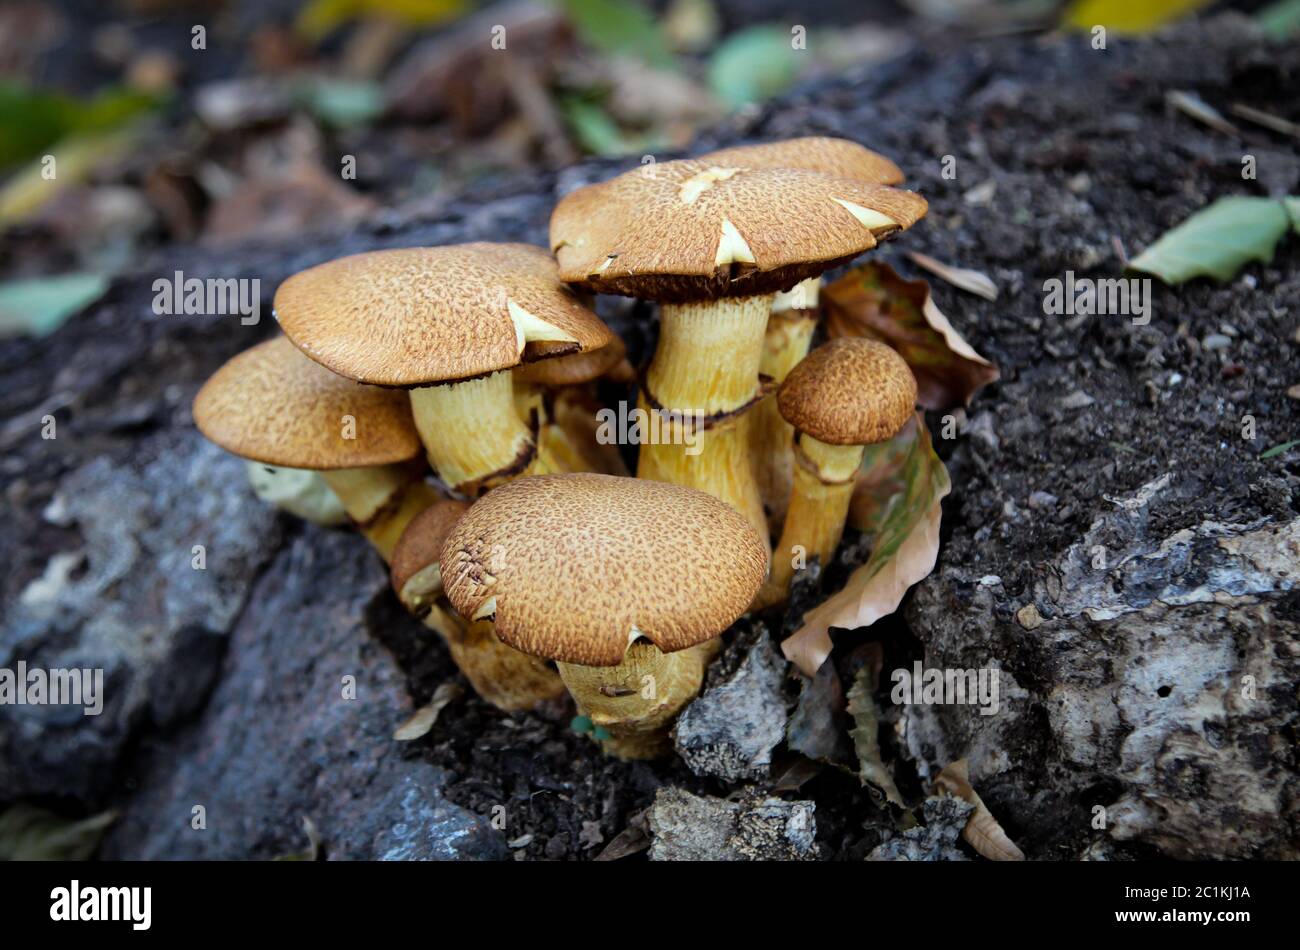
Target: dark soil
[{"x": 1085, "y": 157}]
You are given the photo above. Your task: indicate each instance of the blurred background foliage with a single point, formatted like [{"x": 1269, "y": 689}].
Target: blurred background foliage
[{"x": 128, "y": 124}]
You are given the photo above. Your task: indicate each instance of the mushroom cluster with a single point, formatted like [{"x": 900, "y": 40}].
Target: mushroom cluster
[{"x": 448, "y": 397}]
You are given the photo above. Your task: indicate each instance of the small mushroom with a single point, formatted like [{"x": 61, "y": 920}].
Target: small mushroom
[
  {"x": 271, "y": 404},
  {"x": 794, "y": 316},
  {"x": 557, "y": 398},
  {"x": 713, "y": 243},
  {"x": 843, "y": 396},
  {"x": 623, "y": 582},
  {"x": 299, "y": 491},
  {"x": 446, "y": 323},
  {"x": 500, "y": 674}
]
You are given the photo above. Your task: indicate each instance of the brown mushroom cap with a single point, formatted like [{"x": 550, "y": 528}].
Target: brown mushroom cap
[
  {"x": 422, "y": 315},
  {"x": 574, "y": 369},
  {"x": 830, "y": 156},
  {"x": 271, "y": 404},
  {"x": 692, "y": 230},
  {"x": 849, "y": 391},
  {"x": 421, "y": 543},
  {"x": 580, "y": 565}
]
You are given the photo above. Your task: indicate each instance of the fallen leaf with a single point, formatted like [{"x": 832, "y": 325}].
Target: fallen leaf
[
  {"x": 898, "y": 500},
  {"x": 340, "y": 103},
  {"x": 1280, "y": 19},
  {"x": 593, "y": 128},
  {"x": 873, "y": 301},
  {"x": 420, "y": 723},
  {"x": 1279, "y": 449},
  {"x": 816, "y": 727},
  {"x": 318, "y": 18},
  {"x": 74, "y": 160},
  {"x": 1190, "y": 104},
  {"x": 34, "y": 120},
  {"x": 1267, "y": 119},
  {"x": 1125, "y": 16},
  {"x": 622, "y": 27},
  {"x": 28, "y": 833},
  {"x": 38, "y": 306},
  {"x": 862, "y": 707},
  {"x": 1216, "y": 241},
  {"x": 631, "y": 840},
  {"x": 963, "y": 278},
  {"x": 752, "y": 64},
  {"x": 312, "y": 851},
  {"x": 982, "y": 832}
]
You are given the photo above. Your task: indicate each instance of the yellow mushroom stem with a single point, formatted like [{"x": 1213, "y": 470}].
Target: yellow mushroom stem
[
  {"x": 637, "y": 700},
  {"x": 567, "y": 427},
  {"x": 708, "y": 355},
  {"x": 824, "y": 476},
  {"x": 789, "y": 335},
  {"x": 500, "y": 674},
  {"x": 474, "y": 437},
  {"x": 702, "y": 383},
  {"x": 381, "y": 500}
]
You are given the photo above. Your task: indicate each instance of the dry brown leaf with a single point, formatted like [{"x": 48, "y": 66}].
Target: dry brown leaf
[
  {"x": 862, "y": 707},
  {"x": 971, "y": 281},
  {"x": 420, "y": 723},
  {"x": 873, "y": 301},
  {"x": 982, "y": 832},
  {"x": 905, "y": 524}
]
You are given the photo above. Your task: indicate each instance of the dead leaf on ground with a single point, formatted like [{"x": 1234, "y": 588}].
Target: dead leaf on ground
[
  {"x": 633, "y": 839},
  {"x": 306, "y": 200},
  {"x": 901, "y": 508},
  {"x": 28, "y": 833},
  {"x": 816, "y": 728},
  {"x": 312, "y": 851},
  {"x": 963, "y": 278},
  {"x": 420, "y": 723},
  {"x": 862, "y": 707},
  {"x": 873, "y": 301},
  {"x": 982, "y": 832}
]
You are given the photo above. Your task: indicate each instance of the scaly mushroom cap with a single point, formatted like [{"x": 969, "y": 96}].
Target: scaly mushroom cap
[
  {"x": 574, "y": 369},
  {"x": 692, "y": 230},
  {"x": 838, "y": 157},
  {"x": 576, "y": 567},
  {"x": 423, "y": 315},
  {"x": 849, "y": 391},
  {"x": 421, "y": 543},
  {"x": 271, "y": 404}
]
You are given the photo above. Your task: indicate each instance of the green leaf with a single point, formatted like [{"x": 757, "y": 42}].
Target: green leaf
[
  {"x": 593, "y": 128},
  {"x": 752, "y": 64},
  {"x": 1281, "y": 19},
  {"x": 28, "y": 833},
  {"x": 1216, "y": 241},
  {"x": 341, "y": 103},
  {"x": 39, "y": 305},
  {"x": 31, "y": 120},
  {"x": 620, "y": 26},
  {"x": 1293, "y": 209},
  {"x": 1279, "y": 449}
]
